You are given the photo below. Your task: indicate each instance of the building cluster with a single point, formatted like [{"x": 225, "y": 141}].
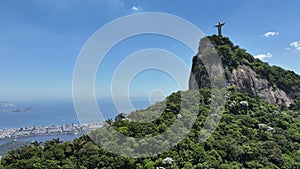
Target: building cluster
[{"x": 48, "y": 130}]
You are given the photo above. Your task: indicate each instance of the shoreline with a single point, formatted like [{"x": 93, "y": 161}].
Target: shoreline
[{"x": 44, "y": 131}]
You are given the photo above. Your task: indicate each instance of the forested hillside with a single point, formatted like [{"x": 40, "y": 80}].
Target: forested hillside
[
  {"x": 257, "y": 129},
  {"x": 253, "y": 136}
]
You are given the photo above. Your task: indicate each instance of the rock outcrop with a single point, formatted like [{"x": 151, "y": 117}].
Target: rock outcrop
[
  {"x": 238, "y": 67},
  {"x": 246, "y": 80}
]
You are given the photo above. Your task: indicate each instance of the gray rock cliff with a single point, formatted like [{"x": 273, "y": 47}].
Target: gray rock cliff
[
  {"x": 246, "y": 80},
  {"x": 239, "y": 72}
]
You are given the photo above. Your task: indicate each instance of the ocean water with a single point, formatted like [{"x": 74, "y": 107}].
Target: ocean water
[{"x": 45, "y": 113}]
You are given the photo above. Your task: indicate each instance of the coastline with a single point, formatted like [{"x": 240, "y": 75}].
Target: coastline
[{"x": 73, "y": 130}]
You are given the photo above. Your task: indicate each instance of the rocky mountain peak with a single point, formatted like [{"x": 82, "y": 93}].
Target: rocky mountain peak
[{"x": 249, "y": 75}]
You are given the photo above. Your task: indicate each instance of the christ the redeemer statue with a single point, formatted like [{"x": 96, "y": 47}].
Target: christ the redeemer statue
[{"x": 219, "y": 26}]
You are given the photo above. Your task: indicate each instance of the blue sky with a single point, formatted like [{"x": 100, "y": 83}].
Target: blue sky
[{"x": 40, "y": 40}]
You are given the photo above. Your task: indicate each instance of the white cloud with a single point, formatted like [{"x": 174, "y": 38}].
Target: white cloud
[
  {"x": 296, "y": 45},
  {"x": 263, "y": 56},
  {"x": 268, "y": 34},
  {"x": 136, "y": 8}
]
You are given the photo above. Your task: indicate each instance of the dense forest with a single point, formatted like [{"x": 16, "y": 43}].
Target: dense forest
[
  {"x": 253, "y": 136},
  {"x": 251, "y": 133},
  {"x": 4, "y": 148}
]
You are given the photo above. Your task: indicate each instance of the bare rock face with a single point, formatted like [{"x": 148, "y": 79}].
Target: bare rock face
[
  {"x": 247, "y": 81},
  {"x": 241, "y": 70},
  {"x": 207, "y": 69}
]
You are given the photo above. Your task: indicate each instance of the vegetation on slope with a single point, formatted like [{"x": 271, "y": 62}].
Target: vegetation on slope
[
  {"x": 253, "y": 136},
  {"x": 4, "y": 148},
  {"x": 233, "y": 56},
  {"x": 251, "y": 133}
]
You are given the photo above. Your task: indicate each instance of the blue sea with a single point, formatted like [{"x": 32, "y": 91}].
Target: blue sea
[{"x": 45, "y": 113}]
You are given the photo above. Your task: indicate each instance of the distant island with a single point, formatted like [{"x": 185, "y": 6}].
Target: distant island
[
  {"x": 10, "y": 107},
  {"x": 6, "y": 104}
]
